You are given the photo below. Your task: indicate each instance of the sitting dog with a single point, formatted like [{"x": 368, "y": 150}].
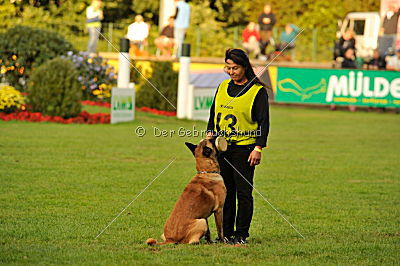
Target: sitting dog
[{"x": 203, "y": 196}]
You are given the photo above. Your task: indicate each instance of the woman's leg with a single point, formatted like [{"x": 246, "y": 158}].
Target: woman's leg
[
  {"x": 229, "y": 212},
  {"x": 244, "y": 189}
]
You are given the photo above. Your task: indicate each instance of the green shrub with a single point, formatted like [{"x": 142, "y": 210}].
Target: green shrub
[
  {"x": 23, "y": 48},
  {"x": 54, "y": 89},
  {"x": 165, "y": 79}
]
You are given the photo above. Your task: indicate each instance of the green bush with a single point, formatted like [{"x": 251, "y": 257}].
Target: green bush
[
  {"x": 54, "y": 89},
  {"x": 165, "y": 79},
  {"x": 23, "y": 48}
]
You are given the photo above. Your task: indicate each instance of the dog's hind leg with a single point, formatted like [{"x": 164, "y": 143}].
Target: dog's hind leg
[
  {"x": 207, "y": 236},
  {"x": 196, "y": 231}
]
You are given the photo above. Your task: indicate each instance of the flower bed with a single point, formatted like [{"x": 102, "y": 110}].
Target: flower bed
[
  {"x": 92, "y": 103},
  {"x": 82, "y": 118},
  {"x": 157, "y": 112}
]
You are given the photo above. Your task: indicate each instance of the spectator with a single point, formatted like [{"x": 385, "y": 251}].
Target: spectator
[
  {"x": 377, "y": 61},
  {"x": 166, "y": 40},
  {"x": 349, "y": 59},
  {"x": 182, "y": 19},
  {"x": 387, "y": 42},
  {"x": 288, "y": 37},
  {"x": 137, "y": 34},
  {"x": 94, "y": 16},
  {"x": 251, "y": 39},
  {"x": 266, "y": 20},
  {"x": 394, "y": 62},
  {"x": 345, "y": 42}
]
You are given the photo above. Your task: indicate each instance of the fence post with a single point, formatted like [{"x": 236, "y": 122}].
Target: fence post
[
  {"x": 198, "y": 41},
  {"x": 110, "y": 37},
  {"x": 314, "y": 44}
]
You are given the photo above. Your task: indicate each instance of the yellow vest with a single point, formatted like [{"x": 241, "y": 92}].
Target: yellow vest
[{"x": 232, "y": 117}]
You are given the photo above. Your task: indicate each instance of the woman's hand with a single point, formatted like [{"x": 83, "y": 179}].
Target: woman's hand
[
  {"x": 209, "y": 135},
  {"x": 255, "y": 157}
]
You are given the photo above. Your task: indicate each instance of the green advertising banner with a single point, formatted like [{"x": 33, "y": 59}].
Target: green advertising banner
[{"x": 338, "y": 86}]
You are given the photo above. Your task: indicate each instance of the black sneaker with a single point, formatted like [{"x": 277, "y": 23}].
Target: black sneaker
[
  {"x": 239, "y": 240},
  {"x": 227, "y": 240}
]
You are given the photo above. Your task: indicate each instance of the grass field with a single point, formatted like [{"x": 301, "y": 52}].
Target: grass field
[{"x": 334, "y": 175}]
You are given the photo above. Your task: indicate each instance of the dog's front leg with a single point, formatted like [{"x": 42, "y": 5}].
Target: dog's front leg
[{"x": 218, "y": 222}]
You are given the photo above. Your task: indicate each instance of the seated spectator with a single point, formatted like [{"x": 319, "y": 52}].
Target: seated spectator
[
  {"x": 166, "y": 40},
  {"x": 137, "y": 34},
  {"x": 345, "y": 42},
  {"x": 377, "y": 61},
  {"x": 251, "y": 38},
  {"x": 349, "y": 59},
  {"x": 288, "y": 37},
  {"x": 394, "y": 62}
]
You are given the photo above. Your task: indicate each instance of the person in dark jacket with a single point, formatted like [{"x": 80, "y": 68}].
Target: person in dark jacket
[
  {"x": 349, "y": 59},
  {"x": 377, "y": 61},
  {"x": 345, "y": 42},
  {"x": 266, "y": 20},
  {"x": 240, "y": 113}
]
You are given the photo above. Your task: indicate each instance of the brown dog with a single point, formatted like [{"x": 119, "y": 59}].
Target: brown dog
[{"x": 203, "y": 196}]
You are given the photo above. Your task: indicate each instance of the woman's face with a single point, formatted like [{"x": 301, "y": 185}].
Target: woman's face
[{"x": 235, "y": 71}]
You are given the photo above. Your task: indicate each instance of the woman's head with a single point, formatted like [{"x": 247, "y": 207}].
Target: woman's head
[{"x": 237, "y": 65}]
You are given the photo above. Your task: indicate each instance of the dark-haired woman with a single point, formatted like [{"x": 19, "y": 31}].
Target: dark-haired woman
[{"x": 240, "y": 112}]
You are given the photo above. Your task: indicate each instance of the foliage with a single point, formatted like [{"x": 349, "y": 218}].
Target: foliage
[
  {"x": 214, "y": 39},
  {"x": 23, "y": 48},
  {"x": 95, "y": 75},
  {"x": 11, "y": 99},
  {"x": 54, "y": 89},
  {"x": 165, "y": 79}
]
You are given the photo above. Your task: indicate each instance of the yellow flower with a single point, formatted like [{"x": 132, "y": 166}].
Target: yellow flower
[
  {"x": 10, "y": 97},
  {"x": 14, "y": 57}
]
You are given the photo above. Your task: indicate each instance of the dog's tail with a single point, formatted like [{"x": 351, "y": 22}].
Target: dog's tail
[{"x": 151, "y": 241}]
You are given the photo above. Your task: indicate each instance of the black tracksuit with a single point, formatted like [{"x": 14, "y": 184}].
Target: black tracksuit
[{"x": 237, "y": 155}]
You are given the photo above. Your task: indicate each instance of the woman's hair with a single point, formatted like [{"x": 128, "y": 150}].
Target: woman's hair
[{"x": 240, "y": 57}]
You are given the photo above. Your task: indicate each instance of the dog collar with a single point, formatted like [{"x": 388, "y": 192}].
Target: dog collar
[{"x": 208, "y": 172}]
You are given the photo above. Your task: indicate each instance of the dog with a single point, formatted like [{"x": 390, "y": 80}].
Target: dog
[{"x": 202, "y": 197}]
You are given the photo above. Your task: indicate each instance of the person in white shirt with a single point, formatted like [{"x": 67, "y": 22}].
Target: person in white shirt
[
  {"x": 182, "y": 20},
  {"x": 138, "y": 33},
  {"x": 394, "y": 62},
  {"x": 94, "y": 15}
]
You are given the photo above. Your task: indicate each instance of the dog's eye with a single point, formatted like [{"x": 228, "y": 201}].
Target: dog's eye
[{"x": 207, "y": 151}]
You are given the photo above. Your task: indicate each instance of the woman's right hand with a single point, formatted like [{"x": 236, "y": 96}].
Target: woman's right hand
[{"x": 209, "y": 135}]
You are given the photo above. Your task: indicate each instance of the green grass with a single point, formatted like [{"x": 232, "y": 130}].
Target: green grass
[{"x": 334, "y": 175}]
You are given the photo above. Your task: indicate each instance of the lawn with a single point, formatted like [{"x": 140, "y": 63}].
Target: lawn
[{"x": 334, "y": 175}]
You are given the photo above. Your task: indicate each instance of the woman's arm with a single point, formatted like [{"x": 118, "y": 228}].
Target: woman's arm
[{"x": 260, "y": 113}]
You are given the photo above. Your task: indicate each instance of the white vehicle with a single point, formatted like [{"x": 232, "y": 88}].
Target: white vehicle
[{"x": 365, "y": 26}]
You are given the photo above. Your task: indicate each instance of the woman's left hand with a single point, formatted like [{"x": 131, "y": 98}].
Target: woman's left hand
[{"x": 254, "y": 158}]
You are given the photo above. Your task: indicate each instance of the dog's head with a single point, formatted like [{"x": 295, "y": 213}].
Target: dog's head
[{"x": 208, "y": 148}]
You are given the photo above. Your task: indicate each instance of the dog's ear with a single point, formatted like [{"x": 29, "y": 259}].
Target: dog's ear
[
  {"x": 207, "y": 151},
  {"x": 191, "y": 146}
]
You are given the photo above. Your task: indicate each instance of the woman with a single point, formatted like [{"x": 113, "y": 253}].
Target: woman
[{"x": 240, "y": 112}]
